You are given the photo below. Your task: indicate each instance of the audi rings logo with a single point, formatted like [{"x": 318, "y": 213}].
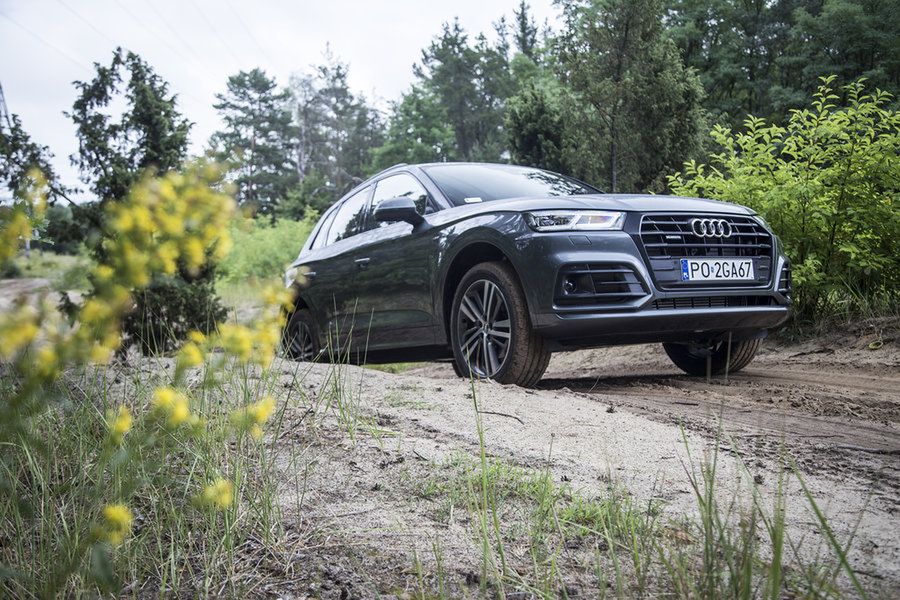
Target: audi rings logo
[{"x": 716, "y": 228}]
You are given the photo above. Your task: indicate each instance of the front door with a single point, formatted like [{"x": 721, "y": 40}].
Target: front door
[{"x": 394, "y": 268}]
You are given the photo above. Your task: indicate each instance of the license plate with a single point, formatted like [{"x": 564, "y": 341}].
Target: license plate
[{"x": 717, "y": 269}]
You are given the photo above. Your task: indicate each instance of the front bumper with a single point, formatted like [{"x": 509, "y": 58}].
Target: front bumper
[{"x": 652, "y": 314}]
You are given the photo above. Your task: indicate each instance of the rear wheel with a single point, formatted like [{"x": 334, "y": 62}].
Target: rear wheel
[
  {"x": 692, "y": 358},
  {"x": 300, "y": 341},
  {"x": 490, "y": 330}
]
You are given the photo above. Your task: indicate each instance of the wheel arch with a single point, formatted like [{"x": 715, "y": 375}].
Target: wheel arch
[{"x": 468, "y": 255}]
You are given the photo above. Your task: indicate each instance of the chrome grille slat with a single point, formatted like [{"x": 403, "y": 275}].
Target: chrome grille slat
[{"x": 667, "y": 238}]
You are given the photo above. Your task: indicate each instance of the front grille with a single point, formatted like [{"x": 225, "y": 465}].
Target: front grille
[
  {"x": 667, "y": 238},
  {"x": 712, "y": 302},
  {"x": 587, "y": 284}
]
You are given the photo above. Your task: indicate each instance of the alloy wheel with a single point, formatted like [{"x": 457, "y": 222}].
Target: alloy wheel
[
  {"x": 484, "y": 328},
  {"x": 302, "y": 346}
]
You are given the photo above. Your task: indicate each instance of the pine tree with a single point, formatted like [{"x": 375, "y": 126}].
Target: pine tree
[
  {"x": 257, "y": 139},
  {"x": 149, "y": 135},
  {"x": 639, "y": 109}
]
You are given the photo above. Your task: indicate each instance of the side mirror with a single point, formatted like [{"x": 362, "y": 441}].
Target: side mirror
[{"x": 398, "y": 209}]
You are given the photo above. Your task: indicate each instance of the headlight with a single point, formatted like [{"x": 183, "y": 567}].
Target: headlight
[
  {"x": 575, "y": 220},
  {"x": 290, "y": 276}
]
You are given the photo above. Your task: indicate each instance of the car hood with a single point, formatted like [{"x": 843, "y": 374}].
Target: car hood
[{"x": 623, "y": 202}]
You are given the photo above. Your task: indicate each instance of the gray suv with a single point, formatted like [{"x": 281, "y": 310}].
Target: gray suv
[{"x": 494, "y": 267}]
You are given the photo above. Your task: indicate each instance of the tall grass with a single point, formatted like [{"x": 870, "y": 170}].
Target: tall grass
[{"x": 732, "y": 545}]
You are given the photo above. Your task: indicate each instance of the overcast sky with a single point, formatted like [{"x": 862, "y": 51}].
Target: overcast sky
[{"x": 196, "y": 44}]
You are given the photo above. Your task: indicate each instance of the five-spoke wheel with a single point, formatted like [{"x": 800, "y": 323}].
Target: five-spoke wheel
[{"x": 490, "y": 329}]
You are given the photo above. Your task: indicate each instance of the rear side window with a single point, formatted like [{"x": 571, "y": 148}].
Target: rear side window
[
  {"x": 322, "y": 234},
  {"x": 348, "y": 219},
  {"x": 401, "y": 185}
]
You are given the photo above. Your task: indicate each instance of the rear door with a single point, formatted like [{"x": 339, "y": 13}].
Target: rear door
[{"x": 394, "y": 268}]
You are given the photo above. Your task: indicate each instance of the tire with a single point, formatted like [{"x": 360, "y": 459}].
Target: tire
[
  {"x": 300, "y": 340},
  {"x": 691, "y": 359},
  {"x": 520, "y": 357}
]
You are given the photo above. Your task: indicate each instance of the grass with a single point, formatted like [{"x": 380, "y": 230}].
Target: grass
[
  {"x": 535, "y": 535},
  {"x": 63, "y": 271},
  {"x": 732, "y": 545}
]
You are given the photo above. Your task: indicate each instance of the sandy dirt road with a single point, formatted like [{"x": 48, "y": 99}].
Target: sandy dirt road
[{"x": 626, "y": 416}]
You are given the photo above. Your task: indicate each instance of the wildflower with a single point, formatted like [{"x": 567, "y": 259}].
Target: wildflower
[
  {"x": 16, "y": 333},
  {"x": 218, "y": 494},
  {"x": 46, "y": 362},
  {"x": 190, "y": 355},
  {"x": 117, "y": 520},
  {"x": 252, "y": 417},
  {"x": 119, "y": 424},
  {"x": 237, "y": 341},
  {"x": 172, "y": 405},
  {"x": 194, "y": 254}
]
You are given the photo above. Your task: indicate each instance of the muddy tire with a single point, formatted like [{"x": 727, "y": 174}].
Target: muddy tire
[
  {"x": 300, "y": 340},
  {"x": 490, "y": 330},
  {"x": 692, "y": 359}
]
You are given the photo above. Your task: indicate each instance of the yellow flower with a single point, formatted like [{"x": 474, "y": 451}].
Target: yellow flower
[
  {"x": 15, "y": 334},
  {"x": 119, "y": 424},
  {"x": 171, "y": 404},
  {"x": 219, "y": 494},
  {"x": 237, "y": 341},
  {"x": 167, "y": 254},
  {"x": 190, "y": 355},
  {"x": 117, "y": 520},
  {"x": 193, "y": 252},
  {"x": 46, "y": 362},
  {"x": 251, "y": 417},
  {"x": 101, "y": 354}
]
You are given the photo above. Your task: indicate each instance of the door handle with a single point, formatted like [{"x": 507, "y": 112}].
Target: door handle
[{"x": 362, "y": 263}]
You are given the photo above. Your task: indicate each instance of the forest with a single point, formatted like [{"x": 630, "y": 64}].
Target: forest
[{"x": 628, "y": 95}]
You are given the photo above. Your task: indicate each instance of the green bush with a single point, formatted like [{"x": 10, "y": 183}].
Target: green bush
[
  {"x": 828, "y": 183},
  {"x": 263, "y": 249}
]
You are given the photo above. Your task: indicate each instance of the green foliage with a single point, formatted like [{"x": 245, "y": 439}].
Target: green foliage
[
  {"x": 19, "y": 155},
  {"x": 828, "y": 182},
  {"x": 263, "y": 250},
  {"x": 336, "y": 131},
  {"x": 470, "y": 83},
  {"x": 638, "y": 113},
  {"x": 67, "y": 227},
  {"x": 764, "y": 58},
  {"x": 168, "y": 310},
  {"x": 256, "y": 142},
  {"x": 417, "y": 132},
  {"x": 536, "y": 128},
  {"x": 149, "y": 133}
]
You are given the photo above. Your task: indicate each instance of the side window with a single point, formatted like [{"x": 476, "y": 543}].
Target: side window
[
  {"x": 322, "y": 234},
  {"x": 348, "y": 219},
  {"x": 398, "y": 186}
]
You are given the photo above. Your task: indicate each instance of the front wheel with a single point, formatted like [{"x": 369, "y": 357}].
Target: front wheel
[
  {"x": 692, "y": 358},
  {"x": 490, "y": 330},
  {"x": 300, "y": 341}
]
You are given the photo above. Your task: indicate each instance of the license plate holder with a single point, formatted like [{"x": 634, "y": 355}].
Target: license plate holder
[{"x": 711, "y": 270}]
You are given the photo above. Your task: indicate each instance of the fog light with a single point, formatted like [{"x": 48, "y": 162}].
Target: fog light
[{"x": 569, "y": 285}]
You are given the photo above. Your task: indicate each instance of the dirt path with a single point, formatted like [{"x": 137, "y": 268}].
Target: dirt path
[{"x": 614, "y": 417}]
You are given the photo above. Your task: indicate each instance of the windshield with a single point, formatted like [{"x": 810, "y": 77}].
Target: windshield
[{"x": 472, "y": 183}]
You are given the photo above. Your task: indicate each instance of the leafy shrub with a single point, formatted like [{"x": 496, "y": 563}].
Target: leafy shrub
[
  {"x": 122, "y": 480},
  {"x": 829, "y": 184},
  {"x": 263, "y": 249}
]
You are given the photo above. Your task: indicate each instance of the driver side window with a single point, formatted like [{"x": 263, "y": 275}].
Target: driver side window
[{"x": 401, "y": 185}]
